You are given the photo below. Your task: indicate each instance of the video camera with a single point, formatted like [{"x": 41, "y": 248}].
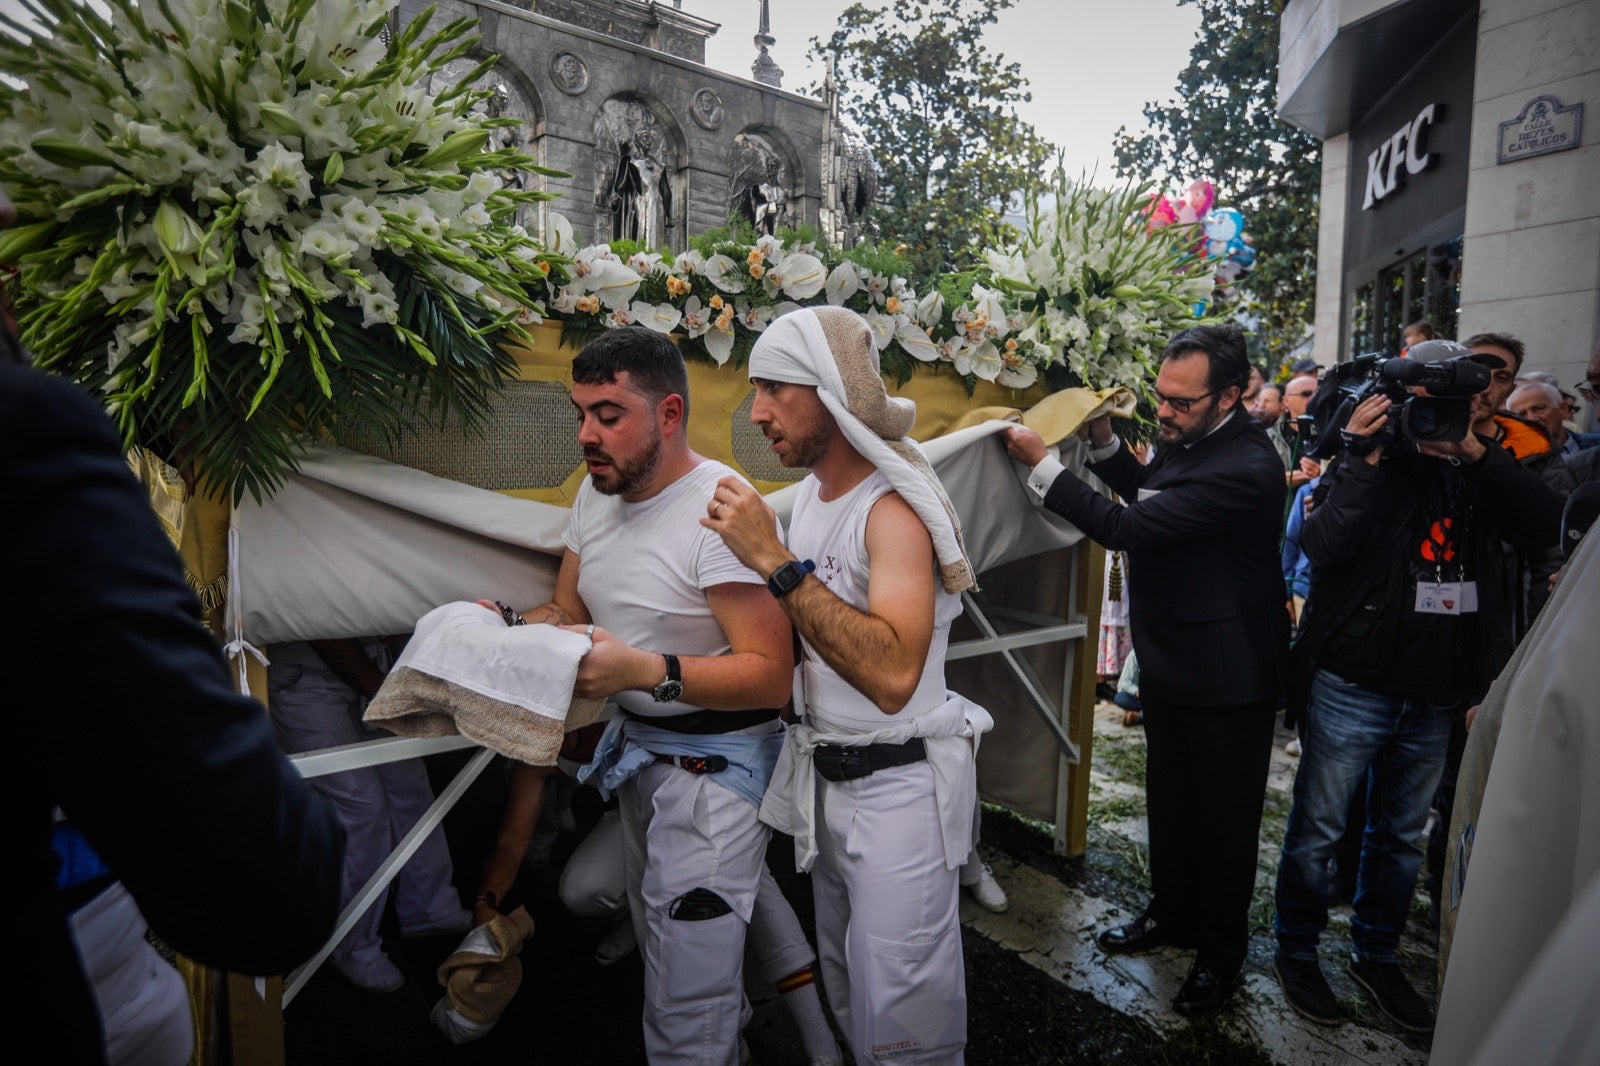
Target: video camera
[{"x": 1444, "y": 414}]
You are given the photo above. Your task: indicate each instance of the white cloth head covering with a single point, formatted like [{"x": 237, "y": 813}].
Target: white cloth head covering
[{"x": 832, "y": 348}]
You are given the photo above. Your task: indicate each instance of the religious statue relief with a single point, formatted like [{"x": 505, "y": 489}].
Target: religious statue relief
[
  {"x": 637, "y": 174},
  {"x": 641, "y": 197},
  {"x": 758, "y": 188}
]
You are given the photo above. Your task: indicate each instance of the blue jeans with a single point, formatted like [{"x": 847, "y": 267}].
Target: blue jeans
[{"x": 1346, "y": 732}]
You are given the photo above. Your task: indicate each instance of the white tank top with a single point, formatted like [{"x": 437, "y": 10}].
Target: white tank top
[{"x": 833, "y": 534}]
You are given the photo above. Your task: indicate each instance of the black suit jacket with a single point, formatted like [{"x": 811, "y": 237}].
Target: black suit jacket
[
  {"x": 1201, "y": 529},
  {"x": 119, "y": 711}
]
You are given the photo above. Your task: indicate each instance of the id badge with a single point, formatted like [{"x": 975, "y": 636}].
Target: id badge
[{"x": 1447, "y": 597}]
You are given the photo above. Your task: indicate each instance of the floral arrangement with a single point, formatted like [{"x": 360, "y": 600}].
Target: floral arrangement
[
  {"x": 1088, "y": 296},
  {"x": 245, "y": 220}
]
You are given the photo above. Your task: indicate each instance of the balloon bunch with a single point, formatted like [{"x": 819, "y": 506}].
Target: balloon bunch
[{"x": 1219, "y": 231}]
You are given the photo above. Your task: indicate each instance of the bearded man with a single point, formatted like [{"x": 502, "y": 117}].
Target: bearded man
[{"x": 1212, "y": 635}]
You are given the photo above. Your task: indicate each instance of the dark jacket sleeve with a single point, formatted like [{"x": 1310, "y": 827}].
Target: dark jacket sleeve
[
  {"x": 134, "y": 728},
  {"x": 1122, "y": 472},
  {"x": 1526, "y": 510},
  {"x": 1217, "y": 498},
  {"x": 1353, "y": 507}
]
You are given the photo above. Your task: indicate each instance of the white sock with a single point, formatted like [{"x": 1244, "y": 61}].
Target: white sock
[{"x": 799, "y": 992}]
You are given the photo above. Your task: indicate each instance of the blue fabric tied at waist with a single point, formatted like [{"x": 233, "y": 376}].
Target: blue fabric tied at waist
[{"x": 630, "y": 744}]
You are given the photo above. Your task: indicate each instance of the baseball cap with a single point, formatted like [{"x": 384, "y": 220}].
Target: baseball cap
[
  {"x": 1438, "y": 351},
  {"x": 1302, "y": 365}
]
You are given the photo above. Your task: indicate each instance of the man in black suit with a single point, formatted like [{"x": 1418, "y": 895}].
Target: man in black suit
[
  {"x": 1200, "y": 530},
  {"x": 122, "y": 717}
]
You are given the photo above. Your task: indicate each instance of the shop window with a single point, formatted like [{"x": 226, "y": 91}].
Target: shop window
[{"x": 1424, "y": 285}]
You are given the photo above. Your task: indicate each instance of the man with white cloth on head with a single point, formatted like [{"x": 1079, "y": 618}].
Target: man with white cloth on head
[{"x": 876, "y": 781}]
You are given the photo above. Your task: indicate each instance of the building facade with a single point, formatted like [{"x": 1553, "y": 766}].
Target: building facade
[
  {"x": 658, "y": 146},
  {"x": 1459, "y": 180}
]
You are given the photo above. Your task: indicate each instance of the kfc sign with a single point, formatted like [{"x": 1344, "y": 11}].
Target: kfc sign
[{"x": 1407, "y": 148}]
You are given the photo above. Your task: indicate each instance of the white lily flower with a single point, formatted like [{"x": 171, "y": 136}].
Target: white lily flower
[
  {"x": 752, "y": 318},
  {"x": 696, "y": 318},
  {"x": 984, "y": 361}
]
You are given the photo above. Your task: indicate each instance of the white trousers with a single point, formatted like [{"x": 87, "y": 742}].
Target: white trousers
[
  {"x": 313, "y": 709},
  {"x": 144, "y": 1006},
  {"x": 693, "y": 855},
  {"x": 888, "y": 924},
  {"x": 593, "y": 886}
]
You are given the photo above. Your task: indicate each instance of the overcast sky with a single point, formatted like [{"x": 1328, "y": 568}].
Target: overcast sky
[{"x": 1092, "y": 64}]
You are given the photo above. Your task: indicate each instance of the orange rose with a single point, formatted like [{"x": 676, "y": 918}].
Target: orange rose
[
  {"x": 756, "y": 270},
  {"x": 589, "y": 304}
]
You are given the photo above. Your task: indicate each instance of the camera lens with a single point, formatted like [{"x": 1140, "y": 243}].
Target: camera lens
[{"x": 1426, "y": 421}]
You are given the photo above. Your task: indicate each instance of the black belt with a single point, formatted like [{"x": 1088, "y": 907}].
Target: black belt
[
  {"x": 695, "y": 764},
  {"x": 837, "y": 763}
]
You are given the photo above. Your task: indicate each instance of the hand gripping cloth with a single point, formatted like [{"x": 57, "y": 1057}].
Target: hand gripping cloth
[
  {"x": 507, "y": 687},
  {"x": 480, "y": 977}
]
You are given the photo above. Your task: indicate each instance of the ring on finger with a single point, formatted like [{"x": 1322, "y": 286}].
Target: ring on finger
[{"x": 590, "y": 631}]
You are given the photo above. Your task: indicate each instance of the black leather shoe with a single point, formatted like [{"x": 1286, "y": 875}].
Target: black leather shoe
[
  {"x": 1204, "y": 991},
  {"x": 1141, "y": 934}
]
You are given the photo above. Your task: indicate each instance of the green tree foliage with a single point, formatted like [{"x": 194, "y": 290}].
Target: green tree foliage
[
  {"x": 1224, "y": 126},
  {"x": 939, "y": 110}
]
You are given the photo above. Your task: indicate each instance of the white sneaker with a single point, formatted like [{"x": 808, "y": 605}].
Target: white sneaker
[
  {"x": 987, "y": 891},
  {"x": 618, "y": 943},
  {"x": 372, "y": 975},
  {"x": 1292, "y": 749}
]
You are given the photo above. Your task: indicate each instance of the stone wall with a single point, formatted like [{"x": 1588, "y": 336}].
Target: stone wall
[
  {"x": 1532, "y": 248},
  {"x": 561, "y": 75}
]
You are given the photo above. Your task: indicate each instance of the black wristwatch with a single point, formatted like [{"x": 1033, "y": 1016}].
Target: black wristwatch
[
  {"x": 786, "y": 578},
  {"x": 670, "y": 689}
]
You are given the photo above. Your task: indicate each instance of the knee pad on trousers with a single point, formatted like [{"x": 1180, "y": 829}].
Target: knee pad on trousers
[{"x": 698, "y": 905}]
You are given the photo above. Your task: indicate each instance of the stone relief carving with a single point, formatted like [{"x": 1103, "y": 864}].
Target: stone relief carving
[
  {"x": 706, "y": 108},
  {"x": 759, "y": 184},
  {"x": 570, "y": 73},
  {"x": 634, "y": 167}
]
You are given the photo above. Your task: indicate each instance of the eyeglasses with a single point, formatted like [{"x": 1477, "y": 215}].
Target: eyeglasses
[
  {"x": 1589, "y": 390},
  {"x": 1180, "y": 404}
]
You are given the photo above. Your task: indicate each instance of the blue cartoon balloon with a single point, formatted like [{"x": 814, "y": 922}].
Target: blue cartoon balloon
[{"x": 1230, "y": 246}]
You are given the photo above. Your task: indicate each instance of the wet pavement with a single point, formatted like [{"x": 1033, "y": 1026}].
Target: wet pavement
[{"x": 1039, "y": 989}]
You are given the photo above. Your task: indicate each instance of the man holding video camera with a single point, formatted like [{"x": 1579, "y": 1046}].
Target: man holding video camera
[{"x": 1407, "y": 593}]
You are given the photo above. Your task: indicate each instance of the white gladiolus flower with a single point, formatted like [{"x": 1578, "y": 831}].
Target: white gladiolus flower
[
  {"x": 362, "y": 221},
  {"x": 327, "y": 241},
  {"x": 282, "y": 169}
]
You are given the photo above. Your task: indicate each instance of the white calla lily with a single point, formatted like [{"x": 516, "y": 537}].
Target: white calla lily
[
  {"x": 799, "y": 276},
  {"x": 915, "y": 340},
  {"x": 844, "y": 281},
  {"x": 663, "y": 318}
]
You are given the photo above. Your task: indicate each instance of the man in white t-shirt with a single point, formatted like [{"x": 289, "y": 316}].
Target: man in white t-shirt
[
  {"x": 877, "y": 779},
  {"x": 699, "y": 658}
]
